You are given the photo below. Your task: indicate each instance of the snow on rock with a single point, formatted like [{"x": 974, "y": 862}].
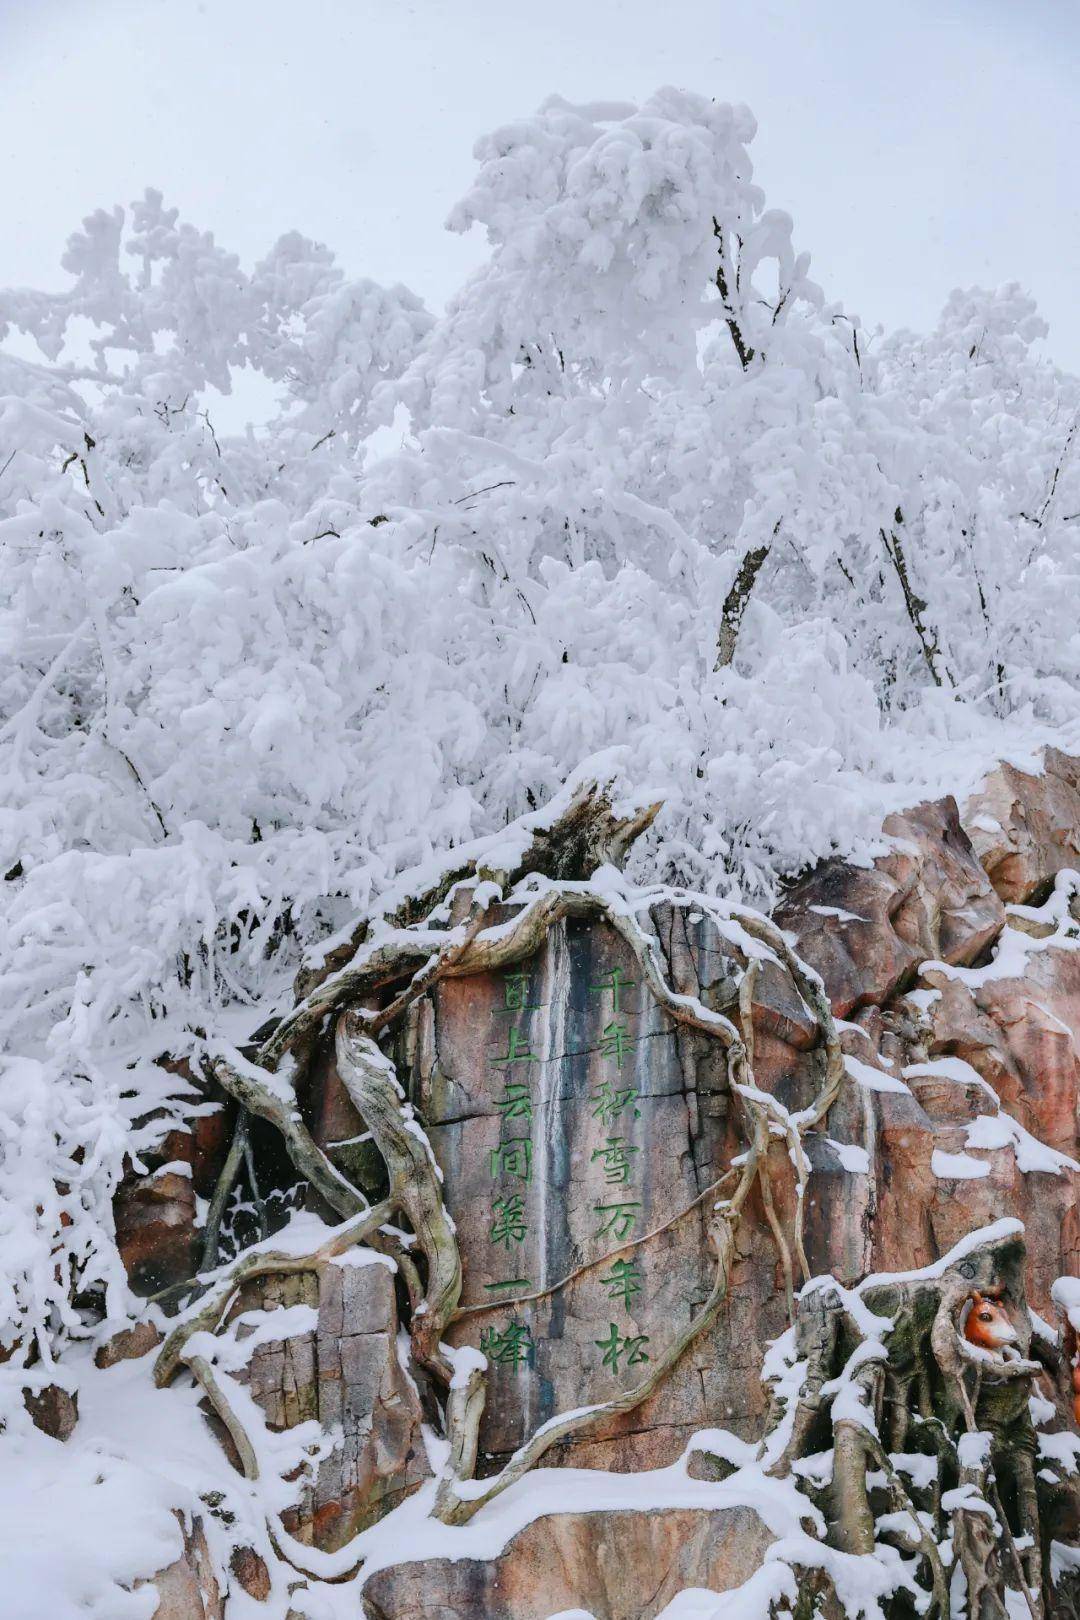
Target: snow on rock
[
  {"x": 853, "y": 1158},
  {"x": 871, "y": 1077},
  {"x": 957, "y": 1166},
  {"x": 999, "y": 1130},
  {"x": 1066, "y": 1296}
]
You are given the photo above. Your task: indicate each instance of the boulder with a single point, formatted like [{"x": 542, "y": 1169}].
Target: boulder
[
  {"x": 570, "y": 1115},
  {"x": 560, "y": 1094},
  {"x": 188, "y": 1589},
  {"x": 53, "y": 1409},
  {"x": 128, "y": 1345},
  {"x": 1026, "y": 828},
  {"x": 155, "y": 1229},
  {"x": 346, "y": 1375},
  {"x": 614, "y": 1565},
  {"x": 249, "y": 1568},
  {"x": 155, "y": 1211}
]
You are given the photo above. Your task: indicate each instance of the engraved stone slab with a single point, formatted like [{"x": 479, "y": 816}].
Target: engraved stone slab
[{"x": 573, "y": 1119}]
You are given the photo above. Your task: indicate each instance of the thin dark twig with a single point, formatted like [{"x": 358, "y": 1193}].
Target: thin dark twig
[{"x": 742, "y": 349}]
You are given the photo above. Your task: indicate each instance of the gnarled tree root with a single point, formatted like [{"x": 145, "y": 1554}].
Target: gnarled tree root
[{"x": 370, "y": 987}]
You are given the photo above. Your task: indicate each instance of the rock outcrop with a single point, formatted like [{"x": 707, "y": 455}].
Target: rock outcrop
[
  {"x": 580, "y": 1133},
  {"x": 157, "y": 1230},
  {"x": 344, "y": 1372},
  {"x": 615, "y": 1566}
]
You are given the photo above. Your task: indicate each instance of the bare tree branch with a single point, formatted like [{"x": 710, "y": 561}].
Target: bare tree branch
[
  {"x": 742, "y": 348},
  {"x": 735, "y": 601},
  {"x": 915, "y": 605}
]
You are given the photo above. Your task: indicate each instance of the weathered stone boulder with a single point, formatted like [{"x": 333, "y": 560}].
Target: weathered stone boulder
[
  {"x": 128, "y": 1345},
  {"x": 1025, "y": 828},
  {"x": 613, "y": 1565},
  {"x": 155, "y": 1229},
  {"x": 249, "y": 1569},
  {"x": 571, "y": 1118},
  {"x": 155, "y": 1213},
  {"x": 1020, "y": 1032},
  {"x": 188, "y": 1588},
  {"x": 344, "y": 1373},
  {"x": 580, "y": 1133},
  {"x": 938, "y": 1076},
  {"x": 53, "y": 1409}
]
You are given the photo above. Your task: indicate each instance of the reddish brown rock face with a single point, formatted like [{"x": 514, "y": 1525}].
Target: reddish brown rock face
[
  {"x": 1018, "y": 1036},
  {"x": 1026, "y": 828},
  {"x": 567, "y": 1126},
  {"x": 615, "y": 1566},
  {"x": 155, "y": 1230},
  {"x": 868, "y": 930},
  {"x": 571, "y": 1118},
  {"x": 155, "y": 1213},
  {"x": 1021, "y": 1034}
]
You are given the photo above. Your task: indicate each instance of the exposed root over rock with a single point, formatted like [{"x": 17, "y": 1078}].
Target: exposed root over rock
[
  {"x": 561, "y": 871},
  {"x": 901, "y": 1433}
]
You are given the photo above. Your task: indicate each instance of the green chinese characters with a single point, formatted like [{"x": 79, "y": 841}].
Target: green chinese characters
[
  {"x": 508, "y": 1223},
  {"x": 610, "y": 1101},
  {"x": 615, "y": 983},
  {"x": 516, "y": 1100},
  {"x": 615, "y": 1104},
  {"x": 512, "y": 1159},
  {"x": 623, "y": 1281},
  {"x": 617, "y": 1347},
  {"x": 516, "y": 993},
  {"x": 618, "y": 1219},
  {"x": 615, "y": 1157},
  {"x": 510, "y": 1346}
]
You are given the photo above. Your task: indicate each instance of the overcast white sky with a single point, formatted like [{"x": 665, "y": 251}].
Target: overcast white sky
[{"x": 918, "y": 147}]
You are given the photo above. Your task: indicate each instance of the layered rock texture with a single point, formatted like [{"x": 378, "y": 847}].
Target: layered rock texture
[
  {"x": 343, "y": 1373},
  {"x": 582, "y": 1132},
  {"x": 625, "y": 1566}
]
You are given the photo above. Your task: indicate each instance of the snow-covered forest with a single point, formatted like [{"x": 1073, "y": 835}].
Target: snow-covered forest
[{"x": 644, "y": 506}]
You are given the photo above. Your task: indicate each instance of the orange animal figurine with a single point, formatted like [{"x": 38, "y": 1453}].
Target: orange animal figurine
[{"x": 989, "y": 1327}]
